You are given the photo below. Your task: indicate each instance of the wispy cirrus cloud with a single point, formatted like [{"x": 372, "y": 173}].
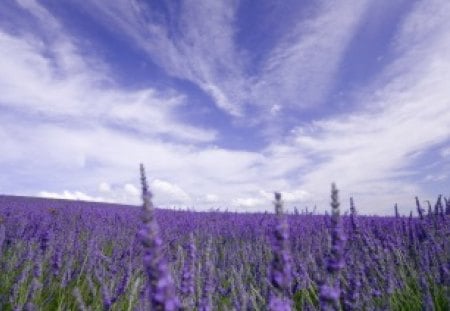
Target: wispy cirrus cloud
[
  {"x": 193, "y": 41},
  {"x": 44, "y": 73},
  {"x": 301, "y": 69},
  {"x": 374, "y": 152},
  {"x": 197, "y": 42}
]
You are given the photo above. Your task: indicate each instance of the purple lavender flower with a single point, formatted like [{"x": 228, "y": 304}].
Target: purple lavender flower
[
  {"x": 56, "y": 261},
  {"x": 430, "y": 211},
  {"x": 2, "y": 236},
  {"x": 447, "y": 206},
  {"x": 353, "y": 219},
  {"x": 419, "y": 209},
  {"x": 124, "y": 282},
  {"x": 106, "y": 296},
  {"x": 427, "y": 299},
  {"x": 67, "y": 273},
  {"x": 441, "y": 208},
  {"x": 161, "y": 293},
  {"x": 206, "y": 303},
  {"x": 240, "y": 297},
  {"x": 330, "y": 289},
  {"x": 352, "y": 297},
  {"x": 79, "y": 299},
  {"x": 33, "y": 291},
  {"x": 22, "y": 277},
  {"x": 91, "y": 285},
  {"x": 438, "y": 205},
  {"x": 187, "y": 281},
  {"x": 280, "y": 269},
  {"x": 44, "y": 240}
]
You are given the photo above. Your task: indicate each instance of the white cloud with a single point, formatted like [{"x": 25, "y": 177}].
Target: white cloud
[
  {"x": 301, "y": 69},
  {"x": 184, "y": 172},
  {"x": 296, "y": 196},
  {"x": 183, "y": 45},
  {"x": 370, "y": 153},
  {"x": 104, "y": 187},
  {"x": 78, "y": 88},
  {"x": 298, "y": 71},
  {"x": 75, "y": 195},
  {"x": 248, "y": 202},
  {"x": 211, "y": 198},
  {"x": 263, "y": 200},
  {"x": 168, "y": 193},
  {"x": 131, "y": 189}
]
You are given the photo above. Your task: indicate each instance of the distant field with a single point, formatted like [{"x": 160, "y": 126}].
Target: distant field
[{"x": 66, "y": 255}]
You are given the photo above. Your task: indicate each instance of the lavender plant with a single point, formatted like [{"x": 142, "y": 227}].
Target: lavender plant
[
  {"x": 330, "y": 290},
  {"x": 160, "y": 287},
  {"x": 280, "y": 269}
]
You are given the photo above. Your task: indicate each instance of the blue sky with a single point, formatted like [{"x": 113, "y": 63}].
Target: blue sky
[{"x": 226, "y": 101}]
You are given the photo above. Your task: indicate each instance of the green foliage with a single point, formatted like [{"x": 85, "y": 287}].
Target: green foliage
[
  {"x": 441, "y": 297},
  {"x": 306, "y": 297}
]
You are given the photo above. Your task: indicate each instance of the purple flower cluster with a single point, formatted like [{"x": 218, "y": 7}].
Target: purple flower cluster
[
  {"x": 160, "y": 288},
  {"x": 330, "y": 290},
  {"x": 188, "y": 274},
  {"x": 280, "y": 268}
]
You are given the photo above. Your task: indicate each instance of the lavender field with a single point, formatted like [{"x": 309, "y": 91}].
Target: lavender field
[{"x": 67, "y": 255}]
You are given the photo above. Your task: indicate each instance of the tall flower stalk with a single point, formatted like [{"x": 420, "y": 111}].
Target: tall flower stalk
[
  {"x": 280, "y": 269},
  {"x": 160, "y": 286},
  {"x": 353, "y": 219},
  {"x": 330, "y": 290},
  {"x": 419, "y": 208},
  {"x": 206, "y": 300},
  {"x": 188, "y": 274}
]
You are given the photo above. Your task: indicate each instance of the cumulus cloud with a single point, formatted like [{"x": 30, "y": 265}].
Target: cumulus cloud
[
  {"x": 104, "y": 187},
  {"x": 247, "y": 203},
  {"x": 131, "y": 189},
  {"x": 296, "y": 196},
  {"x": 263, "y": 200},
  {"x": 72, "y": 195},
  {"x": 169, "y": 193}
]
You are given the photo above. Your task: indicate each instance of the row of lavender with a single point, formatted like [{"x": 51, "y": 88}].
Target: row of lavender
[{"x": 58, "y": 255}]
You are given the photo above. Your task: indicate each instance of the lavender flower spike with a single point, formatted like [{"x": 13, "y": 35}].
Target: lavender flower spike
[
  {"x": 353, "y": 216},
  {"x": 208, "y": 284},
  {"x": 330, "y": 289},
  {"x": 419, "y": 208},
  {"x": 187, "y": 281},
  {"x": 161, "y": 289},
  {"x": 280, "y": 270}
]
